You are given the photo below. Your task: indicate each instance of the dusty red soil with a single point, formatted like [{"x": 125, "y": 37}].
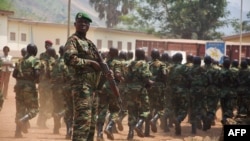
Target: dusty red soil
[{"x": 7, "y": 128}]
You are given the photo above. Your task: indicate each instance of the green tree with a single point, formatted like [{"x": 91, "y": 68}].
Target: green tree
[
  {"x": 245, "y": 24},
  {"x": 111, "y": 10},
  {"x": 5, "y": 4},
  {"x": 188, "y": 19}
]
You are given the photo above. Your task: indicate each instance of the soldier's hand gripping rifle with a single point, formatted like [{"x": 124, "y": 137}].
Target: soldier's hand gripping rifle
[{"x": 113, "y": 85}]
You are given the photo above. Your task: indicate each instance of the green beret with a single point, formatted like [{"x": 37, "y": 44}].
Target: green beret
[{"x": 82, "y": 15}]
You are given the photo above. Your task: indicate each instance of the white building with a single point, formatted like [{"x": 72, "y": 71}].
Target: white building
[{"x": 17, "y": 33}]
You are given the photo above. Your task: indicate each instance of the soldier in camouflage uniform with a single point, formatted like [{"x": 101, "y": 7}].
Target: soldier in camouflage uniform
[
  {"x": 243, "y": 98},
  {"x": 26, "y": 73},
  {"x": 123, "y": 58},
  {"x": 58, "y": 77},
  {"x": 138, "y": 80},
  {"x": 45, "y": 93},
  {"x": 243, "y": 93},
  {"x": 189, "y": 64},
  {"x": 167, "y": 118},
  {"x": 82, "y": 55},
  {"x": 156, "y": 93},
  {"x": 177, "y": 79},
  {"x": 196, "y": 95},
  {"x": 229, "y": 83},
  {"x": 107, "y": 100},
  {"x": 211, "y": 92}
]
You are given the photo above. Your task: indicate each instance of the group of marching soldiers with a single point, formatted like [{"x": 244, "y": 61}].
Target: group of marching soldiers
[
  {"x": 159, "y": 86},
  {"x": 151, "y": 87}
]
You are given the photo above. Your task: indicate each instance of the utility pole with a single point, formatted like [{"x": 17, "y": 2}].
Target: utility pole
[
  {"x": 240, "y": 31},
  {"x": 69, "y": 6}
]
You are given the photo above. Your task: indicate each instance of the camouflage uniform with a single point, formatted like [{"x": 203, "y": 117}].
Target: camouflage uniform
[
  {"x": 45, "y": 92},
  {"x": 167, "y": 119},
  {"x": 86, "y": 80},
  {"x": 211, "y": 93},
  {"x": 59, "y": 75},
  {"x": 228, "y": 80},
  {"x": 177, "y": 79},
  {"x": 243, "y": 93},
  {"x": 137, "y": 96},
  {"x": 156, "y": 93},
  {"x": 26, "y": 91},
  {"x": 196, "y": 95},
  {"x": 108, "y": 101},
  {"x": 68, "y": 117}
]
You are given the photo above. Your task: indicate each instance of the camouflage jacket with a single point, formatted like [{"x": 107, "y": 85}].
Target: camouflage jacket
[
  {"x": 138, "y": 72},
  {"x": 76, "y": 51}
]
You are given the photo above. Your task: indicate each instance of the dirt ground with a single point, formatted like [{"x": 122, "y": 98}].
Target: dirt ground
[{"x": 7, "y": 128}]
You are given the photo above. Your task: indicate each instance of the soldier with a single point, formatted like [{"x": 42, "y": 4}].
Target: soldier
[
  {"x": 167, "y": 119},
  {"x": 156, "y": 94},
  {"x": 243, "y": 94},
  {"x": 82, "y": 55},
  {"x": 58, "y": 77},
  {"x": 178, "y": 82},
  {"x": 138, "y": 80},
  {"x": 45, "y": 93},
  {"x": 107, "y": 100},
  {"x": 211, "y": 92},
  {"x": 229, "y": 83},
  {"x": 68, "y": 114},
  {"x": 123, "y": 85},
  {"x": 196, "y": 95},
  {"x": 27, "y": 75}
]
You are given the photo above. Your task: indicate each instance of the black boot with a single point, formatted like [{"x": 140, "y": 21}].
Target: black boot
[
  {"x": 109, "y": 130},
  {"x": 138, "y": 128},
  {"x": 153, "y": 122},
  {"x": 193, "y": 125},
  {"x": 147, "y": 128},
  {"x": 166, "y": 127},
  {"x": 68, "y": 129},
  {"x": 177, "y": 127},
  {"x": 22, "y": 123},
  {"x": 100, "y": 131},
  {"x": 207, "y": 123},
  {"x": 18, "y": 132},
  {"x": 130, "y": 133}
]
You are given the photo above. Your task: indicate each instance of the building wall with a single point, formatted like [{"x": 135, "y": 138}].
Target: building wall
[
  {"x": 3, "y": 30},
  {"x": 39, "y": 32}
]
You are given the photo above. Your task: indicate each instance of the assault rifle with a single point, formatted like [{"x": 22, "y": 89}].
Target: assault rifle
[{"x": 112, "y": 83}]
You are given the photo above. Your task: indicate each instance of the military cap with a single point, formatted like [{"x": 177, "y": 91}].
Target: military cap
[
  {"x": 49, "y": 42},
  {"x": 83, "y": 15}
]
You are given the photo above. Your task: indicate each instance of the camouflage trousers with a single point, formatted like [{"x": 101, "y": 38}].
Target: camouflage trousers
[
  {"x": 228, "y": 103},
  {"x": 156, "y": 99},
  {"x": 68, "y": 105},
  {"x": 107, "y": 103},
  {"x": 211, "y": 101},
  {"x": 138, "y": 105},
  {"x": 180, "y": 102},
  {"x": 58, "y": 104},
  {"x": 85, "y": 108},
  {"x": 26, "y": 99},
  {"x": 197, "y": 104}
]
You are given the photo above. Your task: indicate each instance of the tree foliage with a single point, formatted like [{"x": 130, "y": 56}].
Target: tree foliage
[
  {"x": 188, "y": 19},
  {"x": 111, "y": 10},
  {"x": 245, "y": 24}
]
